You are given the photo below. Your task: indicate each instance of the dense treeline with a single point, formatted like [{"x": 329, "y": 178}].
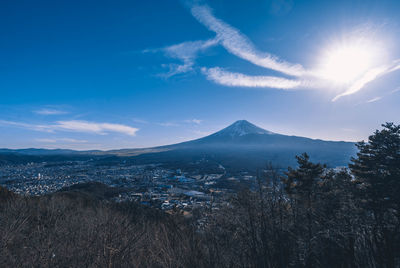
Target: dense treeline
[{"x": 308, "y": 217}]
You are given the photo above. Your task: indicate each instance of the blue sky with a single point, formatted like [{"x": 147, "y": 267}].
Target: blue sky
[{"x": 124, "y": 74}]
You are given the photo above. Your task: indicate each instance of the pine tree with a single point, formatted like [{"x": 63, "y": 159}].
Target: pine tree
[
  {"x": 303, "y": 181},
  {"x": 377, "y": 168},
  {"x": 302, "y": 184},
  {"x": 377, "y": 171}
]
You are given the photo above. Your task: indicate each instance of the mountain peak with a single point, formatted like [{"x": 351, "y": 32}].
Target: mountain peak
[
  {"x": 241, "y": 128},
  {"x": 242, "y": 122}
]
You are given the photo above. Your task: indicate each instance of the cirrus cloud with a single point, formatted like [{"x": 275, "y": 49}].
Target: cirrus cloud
[
  {"x": 238, "y": 44},
  {"x": 93, "y": 127},
  {"x": 223, "y": 77},
  {"x": 75, "y": 126},
  {"x": 57, "y": 140},
  {"x": 187, "y": 53},
  {"x": 193, "y": 121},
  {"x": 47, "y": 111},
  {"x": 370, "y": 76}
]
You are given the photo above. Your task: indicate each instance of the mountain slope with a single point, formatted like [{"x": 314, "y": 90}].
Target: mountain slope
[
  {"x": 243, "y": 145},
  {"x": 240, "y": 146},
  {"x": 244, "y": 134}
]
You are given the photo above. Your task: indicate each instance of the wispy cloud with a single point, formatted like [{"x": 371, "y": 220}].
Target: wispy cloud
[
  {"x": 374, "y": 99},
  {"x": 187, "y": 53},
  {"x": 76, "y": 126},
  {"x": 239, "y": 45},
  {"x": 47, "y": 111},
  {"x": 395, "y": 90},
  {"x": 58, "y": 140},
  {"x": 193, "y": 121},
  {"x": 178, "y": 123},
  {"x": 383, "y": 96},
  {"x": 140, "y": 121},
  {"x": 36, "y": 127},
  {"x": 93, "y": 127},
  {"x": 226, "y": 78},
  {"x": 169, "y": 124},
  {"x": 368, "y": 77}
]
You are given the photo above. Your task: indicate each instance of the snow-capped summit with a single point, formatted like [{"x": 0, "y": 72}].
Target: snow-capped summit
[
  {"x": 241, "y": 128},
  {"x": 243, "y": 144},
  {"x": 241, "y": 132}
]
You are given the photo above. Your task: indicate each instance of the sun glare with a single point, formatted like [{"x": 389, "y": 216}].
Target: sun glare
[{"x": 345, "y": 62}]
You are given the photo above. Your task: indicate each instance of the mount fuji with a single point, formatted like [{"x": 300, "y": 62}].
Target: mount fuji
[
  {"x": 244, "y": 145},
  {"x": 240, "y": 146}
]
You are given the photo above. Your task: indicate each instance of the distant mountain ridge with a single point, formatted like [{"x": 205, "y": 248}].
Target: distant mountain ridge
[
  {"x": 37, "y": 151},
  {"x": 241, "y": 144}
]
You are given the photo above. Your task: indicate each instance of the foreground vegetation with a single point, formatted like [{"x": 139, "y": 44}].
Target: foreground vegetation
[{"x": 308, "y": 217}]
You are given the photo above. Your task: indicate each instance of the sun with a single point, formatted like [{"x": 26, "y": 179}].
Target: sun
[{"x": 344, "y": 62}]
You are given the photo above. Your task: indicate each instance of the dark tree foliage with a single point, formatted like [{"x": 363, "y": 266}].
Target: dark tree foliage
[
  {"x": 304, "y": 180},
  {"x": 377, "y": 171},
  {"x": 302, "y": 185},
  {"x": 377, "y": 168}
]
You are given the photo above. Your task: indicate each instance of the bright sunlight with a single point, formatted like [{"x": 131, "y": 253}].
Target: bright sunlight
[{"x": 345, "y": 62}]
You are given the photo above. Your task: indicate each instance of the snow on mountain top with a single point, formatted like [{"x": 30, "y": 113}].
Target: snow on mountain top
[{"x": 241, "y": 128}]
